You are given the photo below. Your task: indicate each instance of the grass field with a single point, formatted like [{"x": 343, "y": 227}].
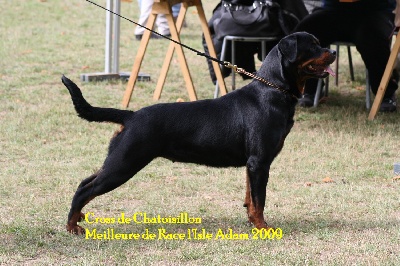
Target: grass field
[{"x": 46, "y": 150}]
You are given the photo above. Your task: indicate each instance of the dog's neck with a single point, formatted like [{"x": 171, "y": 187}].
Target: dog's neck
[{"x": 281, "y": 73}]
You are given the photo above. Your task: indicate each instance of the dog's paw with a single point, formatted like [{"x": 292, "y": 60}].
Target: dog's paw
[
  {"x": 75, "y": 229},
  {"x": 258, "y": 223}
]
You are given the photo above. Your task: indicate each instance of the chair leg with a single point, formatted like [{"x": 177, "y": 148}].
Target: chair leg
[
  {"x": 367, "y": 91},
  {"x": 222, "y": 59},
  {"x": 337, "y": 65},
  {"x": 326, "y": 86},
  {"x": 319, "y": 90},
  {"x": 216, "y": 92},
  {"x": 233, "y": 63},
  {"x": 350, "y": 63},
  {"x": 318, "y": 93}
]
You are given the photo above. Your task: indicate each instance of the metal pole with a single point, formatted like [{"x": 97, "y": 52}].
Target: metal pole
[
  {"x": 116, "y": 36},
  {"x": 111, "y": 54},
  {"x": 108, "y": 48}
]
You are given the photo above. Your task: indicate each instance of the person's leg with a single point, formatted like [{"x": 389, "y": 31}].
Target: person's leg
[
  {"x": 373, "y": 41},
  {"x": 145, "y": 11},
  {"x": 145, "y": 7},
  {"x": 162, "y": 25},
  {"x": 324, "y": 25}
]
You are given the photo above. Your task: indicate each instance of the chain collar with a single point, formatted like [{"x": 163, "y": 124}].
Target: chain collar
[{"x": 242, "y": 71}]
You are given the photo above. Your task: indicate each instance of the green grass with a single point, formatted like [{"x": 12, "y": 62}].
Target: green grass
[{"x": 46, "y": 150}]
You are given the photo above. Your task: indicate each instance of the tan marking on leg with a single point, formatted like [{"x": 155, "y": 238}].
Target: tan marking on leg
[
  {"x": 254, "y": 214},
  {"x": 247, "y": 199}
]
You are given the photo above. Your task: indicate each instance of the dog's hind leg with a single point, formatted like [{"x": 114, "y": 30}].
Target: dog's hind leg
[
  {"x": 82, "y": 184},
  {"x": 107, "y": 179},
  {"x": 89, "y": 179}
]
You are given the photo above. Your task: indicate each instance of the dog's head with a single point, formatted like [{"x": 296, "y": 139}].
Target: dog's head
[
  {"x": 303, "y": 50},
  {"x": 304, "y": 58}
]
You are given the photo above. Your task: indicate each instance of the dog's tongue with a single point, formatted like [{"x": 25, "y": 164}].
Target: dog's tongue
[{"x": 330, "y": 71}]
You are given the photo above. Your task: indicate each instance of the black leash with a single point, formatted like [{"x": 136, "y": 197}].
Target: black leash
[{"x": 224, "y": 63}]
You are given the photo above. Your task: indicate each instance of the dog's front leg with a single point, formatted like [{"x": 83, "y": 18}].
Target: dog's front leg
[{"x": 256, "y": 185}]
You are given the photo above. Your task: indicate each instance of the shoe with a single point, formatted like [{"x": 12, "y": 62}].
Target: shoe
[
  {"x": 306, "y": 101},
  {"x": 388, "y": 104},
  {"x": 152, "y": 36}
]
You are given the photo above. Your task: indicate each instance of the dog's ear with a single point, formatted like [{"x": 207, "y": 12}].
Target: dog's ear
[{"x": 288, "y": 47}]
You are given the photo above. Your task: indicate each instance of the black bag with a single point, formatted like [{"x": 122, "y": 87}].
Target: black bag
[
  {"x": 274, "y": 18},
  {"x": 262, "y": 19}
]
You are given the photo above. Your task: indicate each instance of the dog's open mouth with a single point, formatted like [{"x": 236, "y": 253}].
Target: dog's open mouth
[
  {"x": 319, "y": 71},
  {"x": 319, "y": 67}
]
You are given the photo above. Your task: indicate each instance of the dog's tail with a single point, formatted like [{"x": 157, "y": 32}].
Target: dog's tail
[{"x": 90, "y": 113}]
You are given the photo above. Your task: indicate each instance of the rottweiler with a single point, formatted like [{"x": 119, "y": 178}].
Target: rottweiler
[{"x": 246, "y": 127}]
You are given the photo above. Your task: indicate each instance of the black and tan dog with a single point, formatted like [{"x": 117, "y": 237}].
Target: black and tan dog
[{"x": 246, "y": 127}]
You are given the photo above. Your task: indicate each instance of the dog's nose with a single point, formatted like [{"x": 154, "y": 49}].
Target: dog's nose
[{"x": 333, "y": 52}]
